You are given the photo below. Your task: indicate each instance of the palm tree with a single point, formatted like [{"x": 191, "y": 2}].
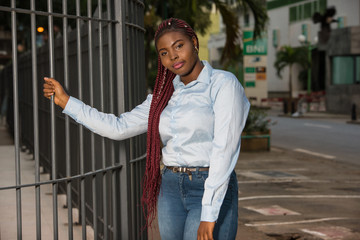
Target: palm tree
[
  {"x": 288, "y": 56},
  {"x": 197, "y": 14}
]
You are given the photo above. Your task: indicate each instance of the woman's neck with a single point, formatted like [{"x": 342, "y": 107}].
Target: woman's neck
[{"x": 193, "y": 74}]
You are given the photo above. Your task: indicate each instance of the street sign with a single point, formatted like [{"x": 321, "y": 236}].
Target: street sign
[{"x": 251, "y": 47}]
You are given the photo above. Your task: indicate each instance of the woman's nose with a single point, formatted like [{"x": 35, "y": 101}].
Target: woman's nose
[{"x": 173, "y": 56}]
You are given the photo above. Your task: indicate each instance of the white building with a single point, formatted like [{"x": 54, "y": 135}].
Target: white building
[{"x": 288, "y": 19}]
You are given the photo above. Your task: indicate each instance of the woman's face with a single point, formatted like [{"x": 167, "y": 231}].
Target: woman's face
[{"x": 177, "y": 53}]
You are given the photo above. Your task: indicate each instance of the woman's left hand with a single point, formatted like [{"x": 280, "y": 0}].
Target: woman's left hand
[{"x": 205, "y": 231}]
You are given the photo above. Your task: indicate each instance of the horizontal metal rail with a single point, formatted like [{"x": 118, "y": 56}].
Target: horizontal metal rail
[
  {"x": 135, "y": 26},
  {"x": 65, "y": 179},
  {"x": 138, "y": 159}
]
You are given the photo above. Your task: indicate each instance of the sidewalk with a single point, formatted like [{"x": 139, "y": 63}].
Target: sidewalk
[
  {"x": 8, "y": 220},
  {"x": 276, "y": 111}
]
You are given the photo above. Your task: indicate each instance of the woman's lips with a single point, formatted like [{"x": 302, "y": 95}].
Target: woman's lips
[{"x": 178, "y": 65}]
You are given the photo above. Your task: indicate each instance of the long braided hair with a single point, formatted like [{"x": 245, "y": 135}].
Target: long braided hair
[{"x": 162, "y": 93}]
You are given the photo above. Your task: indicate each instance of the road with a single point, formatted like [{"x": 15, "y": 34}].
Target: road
[
  {"x": 307, "y": 186},
  {"x": 327, "y": 138}
]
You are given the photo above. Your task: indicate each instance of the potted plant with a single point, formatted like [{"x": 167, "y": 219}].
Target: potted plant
[{"x": 256, "y": 133}]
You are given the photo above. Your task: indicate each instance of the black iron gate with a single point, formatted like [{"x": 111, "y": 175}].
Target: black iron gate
[{"x": 95, "y": 49}]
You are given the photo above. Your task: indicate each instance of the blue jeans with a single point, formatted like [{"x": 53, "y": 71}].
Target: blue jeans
[{"x": 179, "y": 207}]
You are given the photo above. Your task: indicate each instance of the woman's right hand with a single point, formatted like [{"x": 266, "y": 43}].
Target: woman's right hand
[{"x": 54, "y": 88}]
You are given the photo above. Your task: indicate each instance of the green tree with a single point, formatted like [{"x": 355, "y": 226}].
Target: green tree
[
  {"x": 197, "y": 14},
  {"x": 288, "y": 56}
]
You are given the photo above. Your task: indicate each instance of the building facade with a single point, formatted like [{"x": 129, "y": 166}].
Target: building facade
[{"x": 334, "y": 56}]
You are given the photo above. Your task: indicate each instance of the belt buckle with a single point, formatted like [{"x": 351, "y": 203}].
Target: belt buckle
[{"x": 182, "y": 170}]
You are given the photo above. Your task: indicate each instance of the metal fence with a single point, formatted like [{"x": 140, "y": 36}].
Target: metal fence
[{"x": 98, "y": 58}]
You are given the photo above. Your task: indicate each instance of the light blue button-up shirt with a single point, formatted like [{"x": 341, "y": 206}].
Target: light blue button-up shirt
[{"x": 200, "y": 127}]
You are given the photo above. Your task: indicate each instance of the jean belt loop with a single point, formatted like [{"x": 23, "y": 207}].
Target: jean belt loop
[{"x": 189, "y": 174}]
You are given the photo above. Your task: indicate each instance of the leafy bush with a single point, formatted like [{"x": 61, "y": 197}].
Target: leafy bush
[{"x": 257, "y": 121}]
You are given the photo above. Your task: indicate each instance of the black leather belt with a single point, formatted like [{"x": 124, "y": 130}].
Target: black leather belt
[{"x": 187, "y": 170}]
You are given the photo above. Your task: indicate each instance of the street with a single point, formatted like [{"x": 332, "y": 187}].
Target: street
[
  {"x": 307, "y": 186},
  {"x": 328, "y": 138}
]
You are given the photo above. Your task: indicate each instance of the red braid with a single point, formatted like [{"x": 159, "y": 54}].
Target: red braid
[{"x": 163, "y": 91}]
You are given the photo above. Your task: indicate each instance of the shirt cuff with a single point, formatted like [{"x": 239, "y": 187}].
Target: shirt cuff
[
  {"x": 209, "y": 214},
  {"x": 73, "y": 107}
]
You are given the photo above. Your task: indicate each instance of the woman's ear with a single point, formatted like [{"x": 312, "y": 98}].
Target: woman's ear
[{"x": 195, "y": 42}]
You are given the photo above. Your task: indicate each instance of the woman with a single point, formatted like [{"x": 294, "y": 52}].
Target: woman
[{"x": 198, "y": 114}]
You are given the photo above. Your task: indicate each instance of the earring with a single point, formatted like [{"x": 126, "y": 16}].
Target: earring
[{"x": 197, "y": 50}]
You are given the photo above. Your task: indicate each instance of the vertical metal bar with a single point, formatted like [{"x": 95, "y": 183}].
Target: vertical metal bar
[
  {"x": 102, "y": 106},
  {"x": 16, "y": 121},
  {"x": 52, "y": 113},
  {"x": 111, "y": 96},
  {"x": 81, "y": 129},
  {"x": 132, "y": 72},
  {"x": 92, "y": 137},
  {"x": 36, "y": 121},
  {"x": 138, "y": 54},
  {"x": 140, "y": 19},
  {"x": 132, "y": 52},
  {"x": 135, "y": 96},
  {"x": 129, "y": 53},
  {"x": 133, "y": 196},
  {"x": 138, "y": 58},
  {"x": 67, "y": 124},
  {"x": 125, "y": 216}
]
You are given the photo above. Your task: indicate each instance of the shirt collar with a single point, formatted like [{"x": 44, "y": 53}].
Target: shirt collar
[{"x": 203, "y": 77}]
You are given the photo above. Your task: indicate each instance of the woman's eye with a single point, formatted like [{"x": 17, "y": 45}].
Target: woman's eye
[
  {"x": 163, "y": 53},
  {"x": 179, "y": 46}
]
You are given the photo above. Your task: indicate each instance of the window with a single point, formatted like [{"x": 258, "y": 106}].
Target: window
[
  {"x": 307, "y": 10},
  {"x": 292, "y": 14},
  {"x": 300, "y": 11},
  {"x": 315, "y": 6},
  {"x": 345, "y": 70},
  {"x": 322, "y": 5}
]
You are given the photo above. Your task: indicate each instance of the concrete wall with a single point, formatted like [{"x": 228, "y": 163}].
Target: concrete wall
[{"x": 339, "y": 98}]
